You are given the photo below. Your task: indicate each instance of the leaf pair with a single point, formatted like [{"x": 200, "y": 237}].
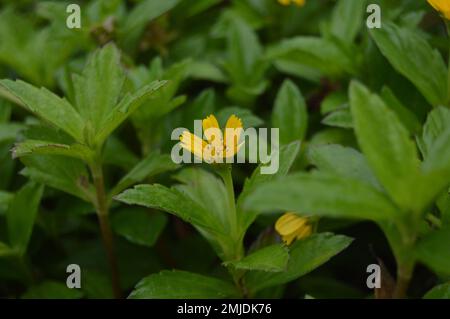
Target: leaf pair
[{"x": 99, "y": 105}]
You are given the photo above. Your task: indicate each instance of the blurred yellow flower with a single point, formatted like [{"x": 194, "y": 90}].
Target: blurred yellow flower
[
  {"x": 218, "y": 145},
  {"x": 291, "y": 226},
  {"x": 299, "y": 3},
  {"x": 443, "y": 6}
]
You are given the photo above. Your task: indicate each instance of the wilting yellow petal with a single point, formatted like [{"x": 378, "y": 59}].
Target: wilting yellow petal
[
  {"x": 232, "y": 135},
  {"x": 289, "y": 224},
  {"x": 193, "y": 143},
  {"x": 443, "y": 6}
]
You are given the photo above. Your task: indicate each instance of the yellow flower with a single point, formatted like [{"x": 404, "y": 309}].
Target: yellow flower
[
  {"x": 218, "y": 146},
  {"x": 443, "y": 6},
  {"x": 291, "y": 226},
  {"x": 299, "y": 3}
]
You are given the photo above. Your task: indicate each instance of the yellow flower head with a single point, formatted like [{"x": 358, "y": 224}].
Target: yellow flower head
[
  {"x": 443, "y": 6},
  {"x": 218, "y": 145},
  {"x": 291, "y": 226},
  {"x": 299, "y": 3}
]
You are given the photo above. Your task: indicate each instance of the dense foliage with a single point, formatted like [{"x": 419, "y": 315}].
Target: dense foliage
[{"x": 87, "y": 177}]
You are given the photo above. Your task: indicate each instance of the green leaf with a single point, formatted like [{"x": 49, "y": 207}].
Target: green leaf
[
  {"x": 434, "y": 251},
  {"x": 318, "y": 54},
  {"x": 248, "y": 118},
  {"x": 21, "y": 215},
  {"x": 385, "y": 142},
  {"x": 127, "y": 106},
  {"x": 305, "y": 256},
  {"x": 406, "y": 116},
  {"x": 339, "y": 118},
  {"x": 408, "y": 52},
  {"x": 168, "y": 200},
  {"x": 138, "y": 225},
  {"x": 98, "y": 88},
  {"x": 287, "y": 155},
  {"x": 290, "y": 114},
  {"x": 342, "y": 161},
  {"x": 5, "y": 250},
  {"x": 346, "y": 20},
  {"x": 66, "y": 174},
  {"x": 141, "y": 14},
  {"x": 5, "y": 198},
  {"x": 322, "y": 195},
  {"x": 179, "y": 284},
  {"x": 439, "y": 292},
  {"x": 30, "y": 147},
  {"x": 48, "y": 106},
  {"x": 438, "y": 158},
  {"x": 438, "y": 121},
  {"x": 154, "y": 164},
  {"x": 9, "y": 131},
  {"x": 271, "y": 258},
  {"x": 208, "y": 191},
  {"x": 52, "y": 290}
]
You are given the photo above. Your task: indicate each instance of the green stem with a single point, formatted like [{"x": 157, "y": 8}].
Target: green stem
[
  {"x": 225, "y": 173},
  {"x": 101, "y": 207},
  {"x": 404, "y": 274},
  {"x": 447, "y": 23}
]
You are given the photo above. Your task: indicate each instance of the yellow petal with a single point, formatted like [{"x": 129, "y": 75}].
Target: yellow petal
[
  {"x": 304, "y": 232},
  {"x": 211, "y": 127},
  {"x": 299, "y": 3},
  {"x": 232, "y": 135},
  {"x": 288, "y": 239},
  {"x": 284, "y": 2},
  {"x": 442, "y": 6},
  {"x": 193, "y": 143},
  {"x": 289, "y": 224}
]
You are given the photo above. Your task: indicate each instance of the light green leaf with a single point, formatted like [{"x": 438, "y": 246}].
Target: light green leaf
[
  {"x": 30, "y": 147},
  {"x": 9, "y": 131},
  {"x": 438, "y": 121},
  {"x": 290, "y": 114},
  {"x": 138, "y": 225},
  {"x": 408, "y": 52},
  {"x": 98, "y": 88},
  {"x": 21, "y": 215},
  {"x": 346, "y": 20},
  {"x": 168, "y": 200},
  {"x": 385, "y": 142},
  {"x": 152, "y": 165},
  {"x": 271, "y": 258},
  {"x": 319, "y": 54},
  {"x": 342, "y": 161},
  {"x": 434, "y": 251},
  {"x": 439, "y": 292},
  {"x": 48, "y": 106},
  {"x": 339, "y": 118},
  {"x": 179, "y": 284},
  {"x": 322, "y": 195},
  {"x": 305, "y": 256}
]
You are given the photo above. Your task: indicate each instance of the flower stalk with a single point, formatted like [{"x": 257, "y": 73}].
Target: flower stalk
[{"x": 101, "y": 207}]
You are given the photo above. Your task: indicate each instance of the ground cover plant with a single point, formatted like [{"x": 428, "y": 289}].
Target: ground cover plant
[{"x": 95, "y": 203}]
